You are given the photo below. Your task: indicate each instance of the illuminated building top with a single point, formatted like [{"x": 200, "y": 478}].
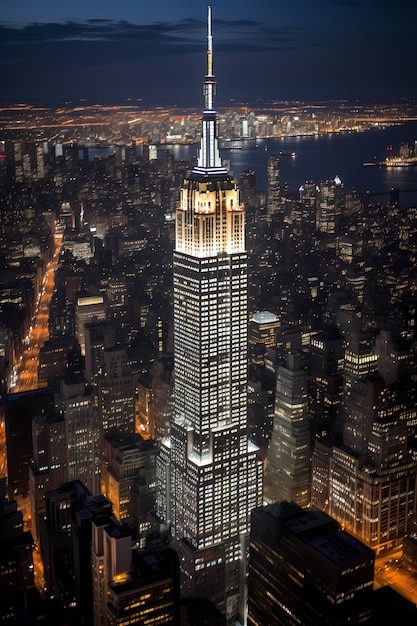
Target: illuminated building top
[
  {"x": 210, "y": 217},
  {"x": 209, "y": 161}
]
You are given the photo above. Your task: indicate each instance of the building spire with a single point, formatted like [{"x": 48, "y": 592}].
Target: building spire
[
  {"x": 209, "y": 161},
  {"x": 209, "y": 84},
  {"x": 209, "y": 44}
]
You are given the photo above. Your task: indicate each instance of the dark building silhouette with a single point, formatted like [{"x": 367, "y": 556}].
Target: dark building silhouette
[
  {"x": 48, "y": 467},
  {"x": 16, "y": 564},
  {"x": 56, "y": 541},
  {"x": 304, "y": 570},
  {"x": 19, "y": 411},
  {"x": 325, "y": 379}
]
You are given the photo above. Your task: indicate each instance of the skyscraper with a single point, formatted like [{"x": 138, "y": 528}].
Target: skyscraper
[
  {"x": 75, "y": 404},
  {"x": 273, "y": 196},
  {"x": 288, "y": 471},
  {"x": 328, "y": 205},
  {"x": 212, "y": 471}
]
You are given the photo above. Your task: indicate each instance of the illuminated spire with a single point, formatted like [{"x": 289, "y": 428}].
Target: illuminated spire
[
  {"x": 209, "y": 161},
  {"x": 209, "y": 84}
]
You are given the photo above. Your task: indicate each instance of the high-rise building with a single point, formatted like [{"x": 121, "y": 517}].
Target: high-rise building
[
  {"x": 149, "y": 594},
  {"x": 394, "y": 355},
  {"x": 56, "y": 542},
  {"x": 76, "y": 404},
  {"x": 116, "y": 392},
  {"x": 48, "y": 468},
  {"x": 247, "y": 185},
  {"x": 98, "y": 510},
  {"x": 288, "y": 470},
  {"x": 111, "y": 560},
  {"x": 368, "y": 483},
  {"x": 303, "y": 569},
  {"x": 328, "y": 205},
  {"x": 262, "y": 334},
  {"x": 213, "y": 472},
  {"x": 273, "y": 195},
  {"x": 54, "y": 358},
  {"x": 19, "y": 410},
  {"x": 308, "y": 197},
  {"x": 99, "y": 336},
  {"x": 325, "y": 379},
  {"x": 129, "y": 479}
]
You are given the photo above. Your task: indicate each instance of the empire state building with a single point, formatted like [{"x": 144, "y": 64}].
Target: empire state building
[{"x": 212, "y": 474}]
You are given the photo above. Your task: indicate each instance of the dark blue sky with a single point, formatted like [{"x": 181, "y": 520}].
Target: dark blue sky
[{"x": 156, "y": 48}]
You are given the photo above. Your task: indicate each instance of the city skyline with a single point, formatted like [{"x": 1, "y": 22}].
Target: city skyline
[
  {"x": 333, "y": 48},
  {"x": 172, "y": 334}
]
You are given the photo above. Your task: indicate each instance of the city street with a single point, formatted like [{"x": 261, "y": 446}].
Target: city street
[
  {"x": 25, "y": 376},
  {"x": 389, "y": 570}
]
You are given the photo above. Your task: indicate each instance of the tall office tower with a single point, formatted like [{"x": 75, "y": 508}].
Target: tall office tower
[
  {"x": 116, "y": 395},
  {"x": 273, "y": 193},
  {"x": 71, "y": 157},
  {"x": 304, "y": 570},
  {"x": 48, "y": 468},
  {"x": 308, "y": 198},
  {"x": 56, "y": 544},
  {"x": 155, "y": 398},
  {"x": 288, "y": 471},
  {"x": 247, "y": 185},
  {"x": 56, "y": 357},
  {"x": 360, "y": 409},
  {"x": 19, "y": 409},
  {"x": 369, "y": 483},
  {"x": 214, "y": 474},
  {"x": 329, "y": 205},
  {"x": 373, "y": 495},
  {"x": 76, "y": 404},
  {"x": 98, "y": 336},
  {"x": 40, "y": 162},
  {"x": 325, "y": 379}
]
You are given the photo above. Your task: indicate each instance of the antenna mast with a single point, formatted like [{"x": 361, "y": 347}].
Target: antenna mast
[{"x": 209, "y": 83}]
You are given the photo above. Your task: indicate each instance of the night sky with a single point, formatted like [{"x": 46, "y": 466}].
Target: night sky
[{"x": 155, "y": 49}]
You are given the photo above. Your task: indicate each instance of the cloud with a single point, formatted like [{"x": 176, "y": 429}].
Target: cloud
[
  {"x": 104, "y": 56},
  {"x": 186, "y": 35},
  {"x": 94, "y": 30}
]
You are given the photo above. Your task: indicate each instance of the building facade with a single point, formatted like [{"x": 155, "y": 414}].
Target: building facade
[
  {"x": 288, "y": 472},
  {"x": 212, "y": 471}
]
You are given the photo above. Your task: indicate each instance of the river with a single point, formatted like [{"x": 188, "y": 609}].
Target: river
[
  {"x": 325, "y": 156},
  {"x": 320, "y": 157}
]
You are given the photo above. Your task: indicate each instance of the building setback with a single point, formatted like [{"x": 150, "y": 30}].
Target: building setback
[{"x": 212, "y": 471}]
